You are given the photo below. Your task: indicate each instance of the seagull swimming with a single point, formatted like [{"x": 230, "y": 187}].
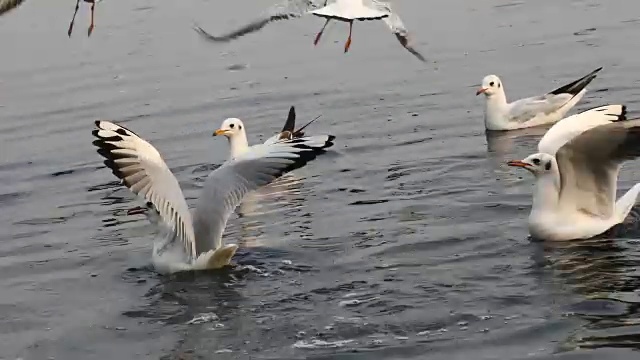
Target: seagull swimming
[
  {"x": 235, "y": 131},
  {"x": 195, "y": 238},
  {"x": 6, "y": 5},
  {"x": 577, "y": 172},
  {"x": 340, "y": 10},
  {"x": 533, "y": 111}
]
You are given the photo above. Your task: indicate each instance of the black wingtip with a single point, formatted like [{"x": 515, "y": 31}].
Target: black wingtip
[
  {"x": 575, "y": 87},
  {"x": 623, "y": 114},
  {"x": 290, "y": 124},
  {"x": 329, "y": 142}
]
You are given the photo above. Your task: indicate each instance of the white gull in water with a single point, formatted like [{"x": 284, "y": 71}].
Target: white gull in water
[
  {"x": 533, "y": 111},
  {"x": 340, "y": 10},
  {"x": 576, "y": 172},
  {"x": 235, "y": 130},
  {"x": 195, "y": 238}
]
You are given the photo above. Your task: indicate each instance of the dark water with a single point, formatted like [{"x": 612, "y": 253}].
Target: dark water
[{"x": 408, "y": 241}]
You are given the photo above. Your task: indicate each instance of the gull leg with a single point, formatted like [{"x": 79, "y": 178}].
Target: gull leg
[
  {"x": 315, "y": 42},
  {"x": 93, "y": 8},
  {"x": 73, "y": 18},
  {"x": 348, "y": 43}
]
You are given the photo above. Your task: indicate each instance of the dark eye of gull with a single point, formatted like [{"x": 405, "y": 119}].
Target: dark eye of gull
[
  {"x": 547, "y": 166},
  {"x": 491, "y": 83},
  {"x": 239, "y": 127},
  {"x": 231, "y": 126},
  {"x": 536, "y": 161}
]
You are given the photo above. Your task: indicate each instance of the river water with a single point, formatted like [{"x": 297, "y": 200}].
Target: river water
[{"x": 407, "y": 241}]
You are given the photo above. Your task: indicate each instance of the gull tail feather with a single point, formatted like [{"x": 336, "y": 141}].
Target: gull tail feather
[
  {"x": 626, "y": 202},
  {"x": 216, "y": 259}
]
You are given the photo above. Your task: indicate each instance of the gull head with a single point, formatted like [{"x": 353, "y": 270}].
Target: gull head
[
  {"x": 230, "y": 128},
  {"x": 537, "y": 164},
  {"x": 491, "y": 85}
]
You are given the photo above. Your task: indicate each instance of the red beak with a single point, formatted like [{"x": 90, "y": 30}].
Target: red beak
[
  {"x": 518, "y": 163},
  {"x": 481, "y": 91}
]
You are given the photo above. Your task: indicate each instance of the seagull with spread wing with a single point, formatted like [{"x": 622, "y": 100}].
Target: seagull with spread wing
[
  {"x": 340, "y": 10},
  {"x": 576, "y": 171},
  {"x": 195, "y": 238}
]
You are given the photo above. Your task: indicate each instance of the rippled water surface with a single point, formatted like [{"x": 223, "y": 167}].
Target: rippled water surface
[{"x": 407, "y": 241}]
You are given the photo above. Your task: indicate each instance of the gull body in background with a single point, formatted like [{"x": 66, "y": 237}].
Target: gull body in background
[
  {"x": 576, "y": 171},
  {"x": 6, "y": 5},
  {"x": 289, "y": 131},
  {"x": 533, "y": 111},
  {"x": 340, "y": 10},
  {"x": 235, "y": 130},
  {"x": 194, "y": 241}
]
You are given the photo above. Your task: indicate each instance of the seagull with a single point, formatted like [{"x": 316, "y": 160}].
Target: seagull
[
  {"x": 6, "y": 5},
  {"x": 340, "y": 10},
  {"x": 576, "y": 175},
  {"x": 533, "y": 111},
  {"x": 235, "y": 131},
  {"x": 195, "y": 238}
]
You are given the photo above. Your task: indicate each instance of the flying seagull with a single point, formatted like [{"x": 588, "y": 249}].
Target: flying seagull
[
  {"x": 532, "y": 111},
  {"x": 195, "y": 237},
  {"x": 340, "y": 10},
  {"x": 576, "y": 172}
]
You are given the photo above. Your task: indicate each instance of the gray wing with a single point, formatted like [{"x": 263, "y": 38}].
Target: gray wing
[
  {"x": 227, "y": 185},
  {"x": 141, "y": 169},
  {"x": 288, "y": 9},
  {"x": 526, "y": 109},
  {"x": 570, "y": 127},
  {"x": 589, "y": 165},
  {"x": 6, "y": 5},
  {"x": 396, "y": 25}
]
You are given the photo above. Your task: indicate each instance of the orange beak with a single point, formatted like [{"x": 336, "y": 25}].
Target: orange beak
[
  {"x": 219, "y": 132},
  {"x": 518, "y": 163},
  {"x": 481, "y": 91}
]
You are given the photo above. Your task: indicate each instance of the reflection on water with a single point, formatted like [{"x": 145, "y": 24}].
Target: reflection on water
[{"x": 603, "y": 272}]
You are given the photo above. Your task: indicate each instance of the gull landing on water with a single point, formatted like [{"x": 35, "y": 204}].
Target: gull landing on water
[
  {"x": 576, "y": 172},
  {"x": 195, "y": 238},
  {"x": 533, "y": 111},
  {"x": 340, "y": 10},
  {"x": 235, "y": 130}
]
